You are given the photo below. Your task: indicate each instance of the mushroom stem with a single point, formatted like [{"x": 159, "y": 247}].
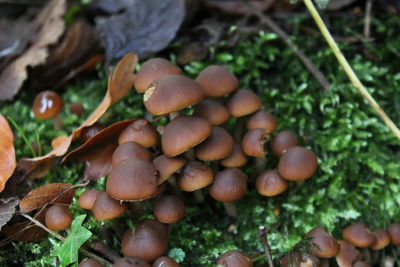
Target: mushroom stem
[
  {"x": 174, "y": 185},
  {"x": 190, "y": 154},
  {"x": 199, "y": 196},
  {"x": 237, "y": 134},
  {"x": 230, "y": 208},
  {"x": 214, "y": 165},
  {"x": 173, "y": 115},
  {"x": 388, "y": 261},
  {"x": 324, "y": 262},
  {"x": 57, "y": 122},
  {"x": 375, "y": 257},
  {"x": 105, "y": 250},
  {"x": 260, "y": 165},
  {"x": 137, "y": 209},
  {"x": 366, "y": 254}
]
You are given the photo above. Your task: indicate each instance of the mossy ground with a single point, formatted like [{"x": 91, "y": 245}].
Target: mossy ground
[{"x": 359, "y": 159}]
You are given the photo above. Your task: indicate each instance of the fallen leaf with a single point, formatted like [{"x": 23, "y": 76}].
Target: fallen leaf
[
  {"x": 119, "y": 83},
  {"x": 143, "y": 27},
  {"x": 97, "y": 151},
  {"x": 7, "y": 210},
  {"x": 52, "y": 26},
  {"x": 49, "y": 193},
  {"x": 240, "y": 7},
  {"x": 7, "y": 152}
]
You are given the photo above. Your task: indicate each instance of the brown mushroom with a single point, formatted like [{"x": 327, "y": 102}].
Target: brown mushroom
[
  {"x": 172, "y": 93},
  {"x": 167, "y": 166},
  {"x": 131, "y": 261},
  {"x": 153, "y": 69},
  {"x": 394, "y": 233},
  {"x": 217, "y": 81},
  {"x": 89, "y": 263},
  {"x": 382, "y": 239},
  {"x": 348, "y": 254},
  {"x": 217, "y": 146},
  {"x": 58, "y": 218},
  {"x": 262, "y": 120},
  {"x": 141, "y": 132},
  {"x": 213, "y": 111},
  {"x": 282, "y": 142},
  {"x": 195, "y": 175},
  {"x": 243, "y": 102},
  {"x": 129, "y": 150},
  {"x": 269, "y": 183},
  {"x": 326, "y": 245},
  {"x": 169, "y": 209},
  {"x": 87, "y": 199},
  {"x": 76, "y": 108},
  {"x": 48, "y": 105},
  {"x": 107, "y": 208},
  {"x": 253, "y": 143},
  {"x": 132, "y": 179},
  {"x": 90, "y": 131},
  {"x": 297, "y": 164},
  {"x": 234, "y": 258},
  {"x": 359, "y": 235},
  {"x": 165, "y": 261},
  {"x": 148, "y": 241},
  {"x": 236, "y": 159}
]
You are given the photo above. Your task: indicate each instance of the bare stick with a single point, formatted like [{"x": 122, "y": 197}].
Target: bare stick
[
  {"x": 105, "y": 250},
  {"x": 347, "y": 68},
  {"x": 367, "y": 20},
  {"x": 262, "y": 231}
]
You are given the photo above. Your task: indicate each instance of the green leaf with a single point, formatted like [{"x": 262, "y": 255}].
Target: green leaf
[
  {"x": 177, "y": 254},
  {"x": 68, "y": 251}
]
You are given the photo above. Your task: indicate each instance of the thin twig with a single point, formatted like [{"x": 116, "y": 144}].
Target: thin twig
[
  {"x": 367, "y": 19},
  {"x": 262, "y": 231},
  {"x": 61, "y": 238},
  {"x": 347, "y": 68},
  {"x": 105, "y": 250}
]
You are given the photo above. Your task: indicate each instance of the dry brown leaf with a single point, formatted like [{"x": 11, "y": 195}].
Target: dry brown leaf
[
  {"x": 97, "y": 151},
  {"x": 49, "y": 193},
  {"x": 52, "y": 27},
  {"x": 119, "y": 83},
  {"x": 7, "y": 209},
  {"x": 7, "y": 152}
]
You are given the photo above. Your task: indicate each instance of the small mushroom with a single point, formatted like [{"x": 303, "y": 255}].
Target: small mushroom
[
  {"x": 359, "y": 235},
  {"x": 326, "y": 245},
  {"x": 129, "y": 150},
  {"x": 269, "y": 183},
  {"x": 236, "y": 159},
  {"x": 165, "y": 261},
  {"x": 167, "y": 166},
  {"x": 76, "y": 108},
  {"x": 348, "y": 254},
  {"x": 262, "y": 120},
  {"x": 141, "y": 132},
  {"x": 297, "y": 164},
  {"x": 382, "y": 239},
  {"x": 253, "y": 143},
  {"x": 48, "y": 105},
  {"x": 243, "y": 102},
  {"x": 394, "y": 233},
  {"x": 131, "y": 261},
  {"x": 169, "y": 209},
  {"x": 148, "y": 241},
  {"x": 89, "y": 263},
  {"x": 282, "y": 142},
  {"x": 234, "y": 258},
  {"x": 217, "y": 81},
  {"x": 107, "y": 208},
  {"x": 58, "y": 218},
  {"x": 195, "y": 175},
  {"x": 217, "y": 146},
  {"x": 87, "y": 199},
  {"x": 213, "y": 111}
]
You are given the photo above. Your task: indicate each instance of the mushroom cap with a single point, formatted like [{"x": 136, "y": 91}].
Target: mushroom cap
[
  {"x": 131, "y": 261},
  {"x": 148, "y": 241},
  {"x": 195, "y": 175},
  {"x": 132, "y": 179},
  {"x": 236, "y": 159},
  {"x": 394, "y": 233},
  {"x": 299, "y": 260},
  {"x": 58, "y": 218},
  {"x": 263, "y": 120},
  {"x": 165, "y": 261},
  {"x": 172, "y": 93},
  {"x": 297, "y": 164},
  {"x": 361, "y": 264},
  {"x": 166, "y": 166},
  {"x": 347, "y": 254},
  {"x": 213, "y": 111},
  {"x": 253, "y": 143},
  {"x": 183, "y": 133},
  {"x": 269, "y": 183},
  {"x": 243, "y": 102},
  {"x": 382, "y": 239},
  {"x": 87, "y": 199},
  {"x": 217, "y": 146},
  {"x": 327, "y": 246},
  {"x": 107, "y": 208},
  {"x": 76, "y": 108},
  {"x": 153, "y": 69},
  {"x": 234, "y": 258},
  {"x": 282, "y": 142},
  {"x": 89, "y": 263},
  {"x": 359, "y": 235},
  {"x": 89, "y": 132},
  {"x": 141, "y": 132},
  {"x": 129, "y": 150},
  {"x": 217, "y": 81},
  {"x": 229, "y": 185},
  {"x": 169, "y": 209},
  {"x": 47, "y": 104}
]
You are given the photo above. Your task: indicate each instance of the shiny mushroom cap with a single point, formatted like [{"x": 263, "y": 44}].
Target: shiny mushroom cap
[
  {"x": 213, "y": 111},
  {"x": 89, "y": 263},
  {"x": 348, "y": 254},
  {"x": 234, "y": 258},
  {"x": 165, "y": 261},
  {"x": 169, "y": 209},
  {"x": 326, "y": 245},
  {"x": 172, "y": 93},
  {"x": 229, "y": 185},
  {"x": 89, "y": 132},
  {"x": 132, "y": 179},
  {"x": 47, "y": 104},
  {"x": 217, "y": 81},
  {"x": 153, "y": 69},
  {"x": 382, "y": 239},
  {"x": 148, "y": 241},
  {"x": 166, "y": 166},
  {"x": 236, "y": 159},
  {"x": 217, "y": 146},
  {"x": 243, "y": 102},
  {"x": 195, "y": 175},
  {"x": 87, "y": 199},
  {"x": 131, "y": 261},
  {"x": 394, "y": 233},
  {"x": 253, "y": 143},
  {"x": 183, "y": 133},
  {"x": 269, "y": 183},
  {"x": 282, "y": 142},
  {"x": 58, "y": 218},
  {"x": 359, "y": 235},
  {"x": 263, "y": 120},
  {"x": 141, "y": 132},
  {"x": 107, "y": 208},
  {"x": 129, "y": 150},
  {"x": 297, "y": 164}
]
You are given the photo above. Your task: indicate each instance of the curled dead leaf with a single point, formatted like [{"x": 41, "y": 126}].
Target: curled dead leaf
[
  {"x": 7, "y": 210},
  {"x": 7, "y": 152}
]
